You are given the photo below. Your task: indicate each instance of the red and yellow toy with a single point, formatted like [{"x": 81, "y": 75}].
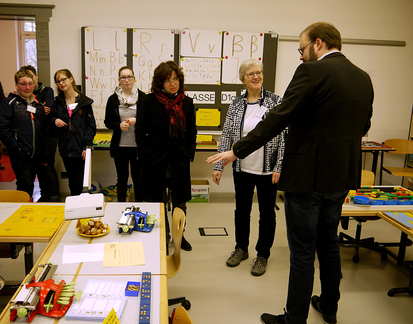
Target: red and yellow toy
[{"x": 43, "y": 297}]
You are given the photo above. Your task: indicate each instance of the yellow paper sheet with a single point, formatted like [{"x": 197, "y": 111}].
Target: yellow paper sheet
[
  {"x": 123, "y": 254},
  {"x": 208, "y": 117},
  {"x": 111, "y": 318},
  {"x": 33, "y": 220}
]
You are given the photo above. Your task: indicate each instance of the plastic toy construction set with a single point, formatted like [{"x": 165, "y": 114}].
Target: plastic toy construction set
[{"x": 381, "y": 195}]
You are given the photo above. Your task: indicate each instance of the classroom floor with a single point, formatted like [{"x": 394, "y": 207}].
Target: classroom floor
[{"x": 220, "y": 294}]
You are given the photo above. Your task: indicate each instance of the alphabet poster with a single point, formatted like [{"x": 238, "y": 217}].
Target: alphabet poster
[
  {"x": 150, "y": 47},
  {"x": 210, "y": 60},
  {"x": 105, "y": 53},
  {"x": 238, "y": 47}
]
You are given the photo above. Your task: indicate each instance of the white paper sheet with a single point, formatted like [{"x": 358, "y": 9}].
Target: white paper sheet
[{"x": 83, "y": 253}]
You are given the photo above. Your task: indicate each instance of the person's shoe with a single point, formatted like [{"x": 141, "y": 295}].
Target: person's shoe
[
  {"x": 273, "y": 319},
  {"x": 328, "y": 319},
  {"x": 259, "y": 267},
  {"x": 185, "y": 245},
  {"x": 236, "y": 257}
]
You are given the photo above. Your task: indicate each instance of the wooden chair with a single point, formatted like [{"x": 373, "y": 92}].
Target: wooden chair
[
  {"x": 402, "y": 147},
  {"x": 367, "y": 179},
  {"x": 11, "y": 250},
  {"x": 173, "y": 262},
  {"x": 14, "y": 196},
  {"x": 181, "y": 316}
]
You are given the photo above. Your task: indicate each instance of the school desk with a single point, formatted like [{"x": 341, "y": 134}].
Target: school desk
[
  {"x": 155, "y": 262},
  {"x": 350, "y": 210},
  {"x": 28, "y": 223},
  {"x": 375, "y": 149}
]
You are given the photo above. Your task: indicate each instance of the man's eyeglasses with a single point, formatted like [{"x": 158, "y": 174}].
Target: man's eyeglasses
[
  {"x": 127, "y": 78},
  {"x": 302, "y": 48},
  {"x": 61, "y": 80},
  {"x": 251, "y": 75}
]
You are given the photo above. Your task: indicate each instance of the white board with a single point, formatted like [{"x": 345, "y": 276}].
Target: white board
[
  {"x": 105, "y": 53},
  {"x": 238, "y": 47}
]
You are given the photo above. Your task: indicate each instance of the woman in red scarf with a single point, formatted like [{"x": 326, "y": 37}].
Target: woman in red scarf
[{"x": 166, "y": 138}]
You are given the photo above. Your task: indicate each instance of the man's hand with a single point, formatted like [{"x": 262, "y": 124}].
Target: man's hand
[{"x": 227, "y": 157}]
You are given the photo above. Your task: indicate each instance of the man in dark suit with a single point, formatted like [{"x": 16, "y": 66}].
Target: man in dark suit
[{"x": 327, "y": 107}]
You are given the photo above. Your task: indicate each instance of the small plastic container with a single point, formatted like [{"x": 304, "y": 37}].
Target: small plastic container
[
  {"x": 403, "y": 202},
  {"x": 361, "y": 200},
  {"x": 390, "y": 202},
  {"x": 132, "y": 288},
  {"x": 376, "y": 202}
]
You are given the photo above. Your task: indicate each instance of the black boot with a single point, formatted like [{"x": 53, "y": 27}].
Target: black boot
[{"x": 185, "y": 245}]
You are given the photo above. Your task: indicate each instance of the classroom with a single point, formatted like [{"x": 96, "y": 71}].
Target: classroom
[{"x": 240, "y": 298}]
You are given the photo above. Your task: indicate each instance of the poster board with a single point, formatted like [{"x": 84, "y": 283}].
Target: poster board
[
  {"x": 210, "y": 61},
  {"x": 106, "y": 50}
]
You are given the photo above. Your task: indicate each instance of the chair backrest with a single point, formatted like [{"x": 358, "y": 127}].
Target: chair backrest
[
  {"x": 402, "y": 146},
  {"x": 174, "y": 260},
  {"x": 14, "y": 196},
  {"x": 181, "y": 316},
  {"x": 367, "y": 178}
]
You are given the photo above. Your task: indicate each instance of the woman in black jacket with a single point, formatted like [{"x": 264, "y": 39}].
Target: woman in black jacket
[
  {"x": 166, "y": 138},
  {"x": 72, "y": 113},
  {"x": 120, "y": 116}
]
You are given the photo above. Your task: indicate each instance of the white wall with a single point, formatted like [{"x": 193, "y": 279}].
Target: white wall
[{"x": 391, "y": 68}]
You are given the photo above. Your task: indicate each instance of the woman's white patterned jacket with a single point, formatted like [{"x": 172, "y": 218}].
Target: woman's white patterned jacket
[{"x": 234, "y": 123}]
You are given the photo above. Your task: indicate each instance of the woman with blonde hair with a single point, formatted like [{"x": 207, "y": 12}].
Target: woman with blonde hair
[{"x": 72, "y": 113}]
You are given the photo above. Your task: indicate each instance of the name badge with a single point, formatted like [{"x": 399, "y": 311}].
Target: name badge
[
  {"x": 261, "y": 112},
  {"x": 31, "y": 109},
  {"x": 72, "y": 106}
]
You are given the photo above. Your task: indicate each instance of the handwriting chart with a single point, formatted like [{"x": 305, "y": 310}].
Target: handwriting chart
[
  {"x": 105, "y": 52},
  {"x": 238, "y": 47},
  {"x": 150, "y": 47}
]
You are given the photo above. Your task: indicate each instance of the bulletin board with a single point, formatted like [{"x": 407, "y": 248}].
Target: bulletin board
[
  {"x": 210, "y": 60},
  {"x": 106, "y": 50}
]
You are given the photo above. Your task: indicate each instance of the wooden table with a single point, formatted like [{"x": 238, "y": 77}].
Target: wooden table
[
  {"x": 375, "y": 149},
  {"x": 402, "y": 250},
  {"x": 6, "y": 210},
  {"x": 155, "y": 262},
  {"x": 350, "y": 210}
]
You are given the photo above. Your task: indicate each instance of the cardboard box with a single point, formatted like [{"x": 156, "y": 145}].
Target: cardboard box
[{"x": 199, "y": 191}]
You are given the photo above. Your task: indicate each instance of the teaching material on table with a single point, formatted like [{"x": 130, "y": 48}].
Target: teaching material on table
[
  {"x": 380, "y": 195},
  {"x": 111, "y": 318},
  {"x": 145, "y": 308},
  {"x": 123, "y": 254},
  {"x": 33, "y": 221},
  {"x": 98, "y": 299},
  {"x": 83, "y": 253},
  {"x": 404, "y": 218},
  {"x": 85, "y": 205}
]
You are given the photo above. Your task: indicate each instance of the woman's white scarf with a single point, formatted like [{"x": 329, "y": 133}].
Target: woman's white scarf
[{"x": 127, "y": 102}]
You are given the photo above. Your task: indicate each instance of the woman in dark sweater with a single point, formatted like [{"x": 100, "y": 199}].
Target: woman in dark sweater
[
  {"x": 120, "y": 116},
  {"x": 72, "y": 114},
  {"x": 166, "y": 138}
]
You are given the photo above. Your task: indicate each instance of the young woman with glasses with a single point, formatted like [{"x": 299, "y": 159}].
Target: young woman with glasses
[
  {"x": 72, "y": 114},
  {"x": 120, "y": 116}
]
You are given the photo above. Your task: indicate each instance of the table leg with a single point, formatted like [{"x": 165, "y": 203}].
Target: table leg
[
  {"x": 28, "y": 257},
  {"x": 374, "y": 162}
]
